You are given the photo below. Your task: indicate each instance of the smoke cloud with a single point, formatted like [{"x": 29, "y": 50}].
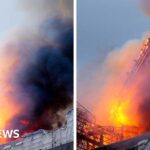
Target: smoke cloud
[
  {"x": 123, "y": 97},
  {"x": 37, "y": 69},
  {"x": 44, "y": 78},
  {"x": 119, "y": 94},
  {"x": 39, "y": 10},
  {"x": 112, "y": 77}
]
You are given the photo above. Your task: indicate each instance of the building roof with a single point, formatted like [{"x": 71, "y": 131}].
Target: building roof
[{"x": 142, "y": 140}]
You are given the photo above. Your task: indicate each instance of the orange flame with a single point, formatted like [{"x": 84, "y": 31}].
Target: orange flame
[
  {"x": 117, "y": 105},
  {"x": 8, "y": 106}
]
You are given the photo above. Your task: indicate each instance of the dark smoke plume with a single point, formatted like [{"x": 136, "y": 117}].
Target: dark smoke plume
[
  {"x": 44, "y": 79},
  {"x": 41, "y": 79}
]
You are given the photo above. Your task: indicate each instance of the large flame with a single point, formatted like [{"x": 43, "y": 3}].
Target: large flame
[
  {"x": 123, "y": 92},
  {"x": 8, "y": 107},
  {"x": 118, "y": 113}
]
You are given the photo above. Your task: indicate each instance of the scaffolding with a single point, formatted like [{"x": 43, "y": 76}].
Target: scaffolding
[
  {"x": 140, "y": 61},
  {"x": 91, "y": 136}
]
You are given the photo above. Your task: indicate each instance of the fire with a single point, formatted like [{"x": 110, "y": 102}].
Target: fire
[
  {"x": 121, "y": 110},
  {"x": 124, "y": 95},
  {"x": 6, "y": 113},
  {"x": 8, "y": 105},
  {"x": 118, "y": 113}
]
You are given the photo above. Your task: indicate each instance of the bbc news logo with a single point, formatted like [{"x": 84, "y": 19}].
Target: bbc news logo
[{"x": 10, "y": 133}]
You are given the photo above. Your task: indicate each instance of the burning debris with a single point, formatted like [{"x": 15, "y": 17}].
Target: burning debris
[{"x": 91, "y": 135}]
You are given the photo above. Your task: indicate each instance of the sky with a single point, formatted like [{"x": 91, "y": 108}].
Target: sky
[
  {"x": 10, "y": 17},
  {"x": 104, "y": 25},
  {"x": 17, "y": 14}
]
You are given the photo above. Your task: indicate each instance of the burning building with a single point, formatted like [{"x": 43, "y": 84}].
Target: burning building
[
  {"x": 58, "y": 139},
  {"x": 37, "y": 82},
  {"x": 36, "y": 74},
  {"x": 141, "y": 142},
  {"x": 91, "y": 135},
  {"x": 128, "y": 110}
]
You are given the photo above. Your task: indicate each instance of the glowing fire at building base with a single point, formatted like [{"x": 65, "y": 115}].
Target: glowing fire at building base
[{"x": 91, "y": 135}]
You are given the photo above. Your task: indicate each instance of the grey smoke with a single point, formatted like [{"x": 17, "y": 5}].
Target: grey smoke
[{"x": 41, "y": 9}]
